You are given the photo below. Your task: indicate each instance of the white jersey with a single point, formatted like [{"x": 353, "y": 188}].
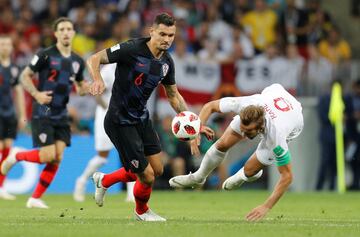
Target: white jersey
[
  {"x": 283, "y": 115},
  {"x": 102, "y": 141}
]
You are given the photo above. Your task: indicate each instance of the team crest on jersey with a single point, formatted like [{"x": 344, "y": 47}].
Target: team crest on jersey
[
  {"x": 43, "y": 137},
  {"x": 135, "y": 163},
  {"x": 14, "y": 71},
  {"x": 165, "y": 69},
  {"x": 76, "y": 67}
]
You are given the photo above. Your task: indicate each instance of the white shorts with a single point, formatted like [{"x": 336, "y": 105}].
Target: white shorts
[
  {"x": 266, "y": 156},
  {"x": 263, "y": 154},
  {"x": 102, "y": 141}
]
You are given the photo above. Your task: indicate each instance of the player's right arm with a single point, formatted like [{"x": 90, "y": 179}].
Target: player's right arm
[
  {"x": 282, "y": 185},
  {"x": 93, "y": 65},
  {"x": 206, "y": 111},
  {"x": 37, "y": 63}
]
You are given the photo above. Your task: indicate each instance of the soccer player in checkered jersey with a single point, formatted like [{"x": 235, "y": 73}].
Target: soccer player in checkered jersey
[
  {"x": 103, "y": 145},
  {"x": 142, "y": 64},
  {"x": 9, "y": 74},
  {"x": 58, "y": 68},
  {"x": 274, "y": 115}
]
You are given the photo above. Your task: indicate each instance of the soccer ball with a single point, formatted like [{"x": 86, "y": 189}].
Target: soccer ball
[{"x": 186, "y": 125}]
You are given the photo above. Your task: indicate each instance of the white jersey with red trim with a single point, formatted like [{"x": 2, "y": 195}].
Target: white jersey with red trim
[{"x": 283, "y": 114}]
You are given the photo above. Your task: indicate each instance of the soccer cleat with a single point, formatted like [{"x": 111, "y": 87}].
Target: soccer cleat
[
  {"x": 10, "y": 161},
  {"x": 185, "y": 181},
  {"x": 36, "y": 203},
  {"x": 238, "y": 179},
  {"x": 232, "y": 182},
  {"x": 149, "y": 215},
  {"x": 5, "y": 195},
  {"x": 99, "y": 189},
  {"x": 79, "y": 191}
]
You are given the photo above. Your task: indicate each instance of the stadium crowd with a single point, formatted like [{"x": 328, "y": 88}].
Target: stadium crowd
[{"x": 233, "y": 47}]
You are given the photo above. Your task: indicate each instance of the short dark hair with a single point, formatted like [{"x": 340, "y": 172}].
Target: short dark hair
[
  {"x": 165, "y": 19},
  {"x": 59, "y": 20}
]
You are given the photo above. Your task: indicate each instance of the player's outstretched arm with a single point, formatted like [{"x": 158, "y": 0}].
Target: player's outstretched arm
[
  {"x": 208, "y": 109},
  {"x": 175, "y": 99},
  {"x": 282, "y": 185},
  {"x": 93, "y": 65}
]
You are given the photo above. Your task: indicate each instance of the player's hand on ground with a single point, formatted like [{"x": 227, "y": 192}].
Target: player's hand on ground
[
  {"x": 97, "y": 87},
  {"x": 257, "y": 213},
  {"x": 194, "y": 145},
  {"x": 208, "y": 132},
  {"x": 43, "y": 97}
]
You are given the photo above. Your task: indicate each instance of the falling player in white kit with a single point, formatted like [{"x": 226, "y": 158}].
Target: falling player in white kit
[
  {"x": 103, "y": 145},
  {"x": 276, "y": 116}
]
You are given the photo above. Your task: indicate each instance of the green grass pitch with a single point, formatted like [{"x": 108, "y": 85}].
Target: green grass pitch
[{"x": 189, "y": 213}]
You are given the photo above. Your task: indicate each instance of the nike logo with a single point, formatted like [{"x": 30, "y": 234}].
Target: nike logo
[
  {"x": 54, "y": 63},
  {"x": 140, "y": 64}
]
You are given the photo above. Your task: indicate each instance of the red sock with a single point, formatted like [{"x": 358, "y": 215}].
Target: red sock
[
  {"x": 142, "y": 194},
  {"x": 121, "y": 175},
  {"x": 2, "y": 158},
  {"x": 46, "y": 177},
  {"x": 31, "y": 156},
  {"x": 5, "y": 153},
  {"x": 2, "y": 179}
]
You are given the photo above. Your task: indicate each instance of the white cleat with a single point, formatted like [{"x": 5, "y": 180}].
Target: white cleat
[
  {"x": 99, "y": 189},
  {"x": 36, "y": 203},
  {"x": 185, "y": 181},
  {"x": 10, "y": 161},
  {"x": 5, "y": 195},
  {"x": 149, "y": 215},
  {"x": 79, "y": 191},
  {"x": 238, "y": 179},
  {"x": 232, "y": 182}
]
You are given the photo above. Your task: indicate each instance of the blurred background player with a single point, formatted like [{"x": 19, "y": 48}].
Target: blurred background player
[
  {"x": 103, "y": 145},
  {"x": 58, "y": 69},
  {"x": 142, "y": 64},
  {"x": 9, "y": 75},
  {"x": 276, "y": 116}
]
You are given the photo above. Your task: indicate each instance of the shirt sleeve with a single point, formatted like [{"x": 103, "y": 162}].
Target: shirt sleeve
[
  {"x": 119, "y": 53},
  {"x": 281, "y": 150},
  {"x": 38, "y": 61},
  {"x": 236, "y": 104},
  {"x": 170, "y": 76}
]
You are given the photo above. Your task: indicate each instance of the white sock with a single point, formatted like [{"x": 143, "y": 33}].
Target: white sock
[
  {"x": 93, "y": 165},
  {"x": 211, "y": 160},
  {"x": 130, "y": 190},
  {"x": 241, "y": 175}
]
